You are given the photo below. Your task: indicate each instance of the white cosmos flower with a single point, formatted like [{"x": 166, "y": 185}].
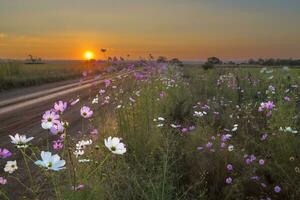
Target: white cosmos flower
[
  {"x": 20, "y": 140},
  {"x": 198, "y": 114},
  {"x": 114, "y": 145},
  {"x": 161, "y": 119},
  {"x": 230, "y": 148},
  {"x": 11, "y": 166},
  {"x": 51, "y": 162}
]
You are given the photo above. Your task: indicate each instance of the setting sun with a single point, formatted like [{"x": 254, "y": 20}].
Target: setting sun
[{"x": 88, "y": 55}]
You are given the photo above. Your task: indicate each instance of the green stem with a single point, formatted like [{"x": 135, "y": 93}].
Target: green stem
[
  {"x": 21, "y": 183},
  {"x": 4, "y": 195},
  {"x": 27, "y": 168},
  {"x": 57, "y": 192},
  {"x": 93, "y": 171}
]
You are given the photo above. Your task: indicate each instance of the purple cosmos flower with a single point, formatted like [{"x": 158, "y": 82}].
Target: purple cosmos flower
[
  {"x": 209, "y": 145},
  {"x": 184, "y": 130},
  {"x": 192, "y": 128},
  {"x": 60, "y": 106},
  {"x": 107, "y": 82},
  {"x": 287, "y": 98},
  {"x": 229, "y": 167},
  {"x": 57, "y": 128},
  {"x": 261, "y": 162},
  {"x": 248, "y": 161},
  {"x": 86, "y": 112},
  {"x": 264, "y": 137},
  {"x": 162, "y": 94},
  {"x": 277, "y": 189},
  {"x": 228, "y": 180},
  {"x": 4, "y": 153},
  {"x": 223, "y": 145},
  {"x": 139, "y": 75}
]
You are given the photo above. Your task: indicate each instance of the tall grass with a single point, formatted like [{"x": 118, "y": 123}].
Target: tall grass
[
  {"x": 173, "y": 154},
  {"x": 15, "y": 74}
]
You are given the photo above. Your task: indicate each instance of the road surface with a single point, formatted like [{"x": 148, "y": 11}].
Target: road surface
[{"x": 22, "y": 113}]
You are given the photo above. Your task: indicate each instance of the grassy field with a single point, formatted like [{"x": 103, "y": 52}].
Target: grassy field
[
  {"x": 189, "y": 133},
  {"x": 16, "y": 74}
]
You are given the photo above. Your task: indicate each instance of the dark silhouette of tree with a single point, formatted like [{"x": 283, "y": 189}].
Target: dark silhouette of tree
[{"x": 214, "y": 60}]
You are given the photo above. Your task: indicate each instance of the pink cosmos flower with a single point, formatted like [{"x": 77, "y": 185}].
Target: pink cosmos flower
[
  {"x": 4, "y": 153},
  {"x": 94, "y": 132},
  {"x": 49, "y": 119},
  {"x": 107, "y": 82},
  {"x": 57, "y": 144},
  {"x": 79, "y": 187},
  {"x": 3, "y": 181},
  {"x": 86, "y": 112},
  {"x": 162, "y": 94},
  {"x": 60, "y": 106}
]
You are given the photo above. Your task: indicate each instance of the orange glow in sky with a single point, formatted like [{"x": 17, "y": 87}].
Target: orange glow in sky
[{"x": 188, "y": 30}]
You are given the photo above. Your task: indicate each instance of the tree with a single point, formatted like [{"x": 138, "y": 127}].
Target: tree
[
  {"x": 161, "y": 59},
  {"x": 214, "y": 60},
  {"x": 176, "y": 61}
]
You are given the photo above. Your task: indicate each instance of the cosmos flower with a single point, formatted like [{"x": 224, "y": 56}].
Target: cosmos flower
[
  {"x": 3, "y": 181},
  {"x": 261, "y": 161},
  {"x": 60, "y": 106},
  {"x": 230, "y": 148},
  {"x": 20, "y": 140},
  {"x": 80, "y": 147},
  {"x": 114, "y": 145},
  {"x": 229, "y": 167},
  {"x": 228, "y": 180},
  {"x": 4, "y": 153},
  {"x": 11, "y": 166},
  {"x": 49, "y": 119},
  {"x": 101, "y": 91},
  {"x": 107, "y": 82},
  {"x": 51, "y": 162},
  {"x": 86, "y": 112},
  {"x": 57, "y": 128},
  {"x": 94, "y": 132},
  {"x": 277, "y": 189},
  {"x": 57, "y": 144}
]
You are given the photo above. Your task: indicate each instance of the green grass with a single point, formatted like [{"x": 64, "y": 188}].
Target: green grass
[
  {"x": 16, "y": 74},
  {"x": 165, "y": 163}
]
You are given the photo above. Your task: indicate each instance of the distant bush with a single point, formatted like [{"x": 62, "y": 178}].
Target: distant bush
[{"x": 207, "y": 66}]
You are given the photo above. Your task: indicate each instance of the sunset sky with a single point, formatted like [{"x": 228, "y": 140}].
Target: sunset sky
[{"x": 187, "y": 29}]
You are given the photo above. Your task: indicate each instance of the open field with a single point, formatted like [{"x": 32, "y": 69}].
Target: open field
[
  {"x": 188, "y": 133},
  {"x": 16, "y": 74}
]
